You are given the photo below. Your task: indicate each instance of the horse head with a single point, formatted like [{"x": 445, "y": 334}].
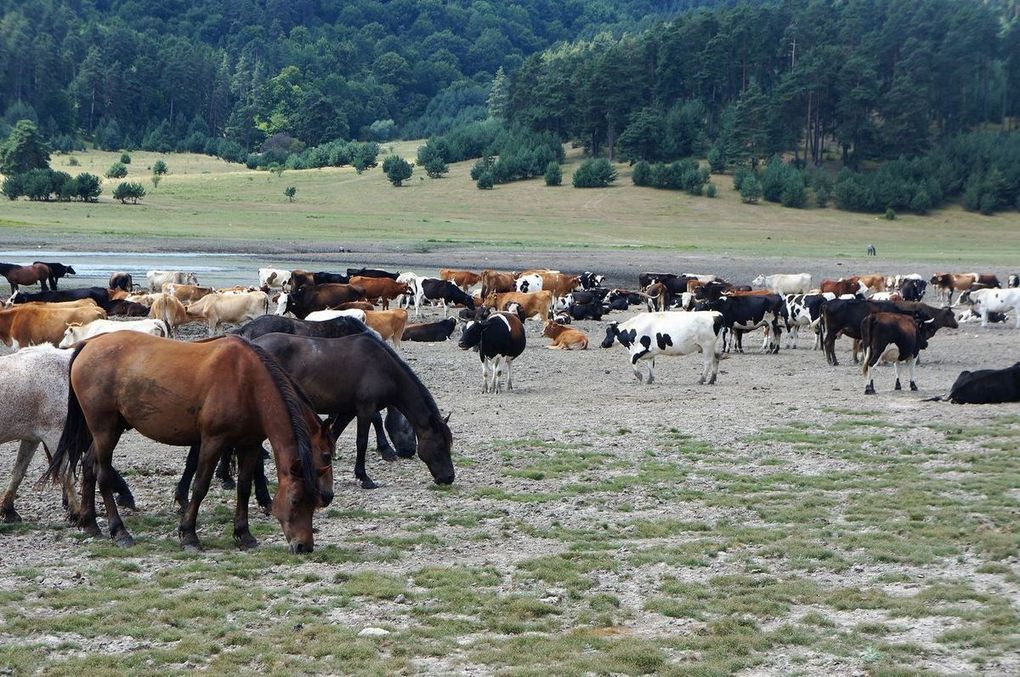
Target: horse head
[{"x": 434, "y": 447}]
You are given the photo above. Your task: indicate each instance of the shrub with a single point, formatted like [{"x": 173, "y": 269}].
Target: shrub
[
  {"x": 482, "y": 166},
  {"x": 290, "y": 192},
  {"x": 921, "y": 202},
  {"x": 739, "y": 174},
  {"x": 750, "y": 189},
  {"x": 397, "y": 169},
  {"x": 642, "y": 174},
  {"x": 553, "y": 174},
  {"x": 117, "y": 170},
  {"x": 485, "y": 180},
  {"x": 13, "y": 187},
  {"x": 710, "y": 189},
  {"x": 37, "y": 184},
  {"x": 716, "y": 160},
  {"x": 794, "y": 193},
  {"x": 159, "y": 168},
  {"x": 73, "y": 162},
  {"x": 822, "y": 185},
  {"x": 430, "y": 158},
  {"x": 594, "y": 174},
  {"x": 125, "y": 159},
  {"x": 890, "y": 214},
  {"x": 129, "y": 191}
]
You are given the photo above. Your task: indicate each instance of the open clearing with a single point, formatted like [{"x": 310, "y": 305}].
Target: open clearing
[
  {"x": 225, "y": 205},
  {"x": 777, "y": 523}
]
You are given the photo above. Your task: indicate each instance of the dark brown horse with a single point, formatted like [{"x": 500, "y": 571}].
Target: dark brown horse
[
  {"x": 216, "y": 394},
  {"x": 33, "y": 274}
]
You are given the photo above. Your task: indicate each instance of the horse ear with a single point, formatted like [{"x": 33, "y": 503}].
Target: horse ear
[{"x": 327, "y": 428}]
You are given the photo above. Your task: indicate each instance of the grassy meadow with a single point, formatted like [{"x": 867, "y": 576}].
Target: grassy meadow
[{"x": 205, "y": 197}]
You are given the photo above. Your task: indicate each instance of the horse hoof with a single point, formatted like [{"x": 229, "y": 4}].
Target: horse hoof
[
  {"x": 124, "y": 540},
  {"x": 11, "y": 516},
  {"x": 229, "y": 485},
  {"x": 246, "y": 541},
  {"x": 126, "y": 501},
  {"x": 388, "y": 454},
  {"x": 267, "y": 509},
  {"x": 92, "y": 530},
  {"x": 368, "y": 484},
  {"x": 191, "y": 547}
]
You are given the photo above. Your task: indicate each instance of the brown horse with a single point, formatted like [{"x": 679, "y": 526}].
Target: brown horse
[
  {"x": 35, "y": 273},
  {"x": 215, "y": 394}
]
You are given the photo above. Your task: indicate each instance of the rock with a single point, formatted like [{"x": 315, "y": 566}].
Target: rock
[
  {"x": 373, "y": 632},
  {"x": 399, "y": 599}
]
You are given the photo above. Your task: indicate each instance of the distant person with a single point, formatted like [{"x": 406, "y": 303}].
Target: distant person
[{"x": 871, "y": 250}]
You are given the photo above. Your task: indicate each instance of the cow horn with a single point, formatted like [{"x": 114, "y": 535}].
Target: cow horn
[{"x": 447, "y": 419}]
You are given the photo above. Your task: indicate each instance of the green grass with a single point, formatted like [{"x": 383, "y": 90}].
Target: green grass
[{"x": 204, "y": 197}]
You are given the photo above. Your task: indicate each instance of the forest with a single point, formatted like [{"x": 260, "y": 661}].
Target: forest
[{"x": 915, "y": 87}]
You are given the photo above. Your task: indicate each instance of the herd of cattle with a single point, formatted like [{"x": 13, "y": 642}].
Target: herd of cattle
[{"x": 686, "y": 313}]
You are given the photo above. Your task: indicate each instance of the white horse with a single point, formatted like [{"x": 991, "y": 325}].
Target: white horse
[{"x": 33, "y": 407}]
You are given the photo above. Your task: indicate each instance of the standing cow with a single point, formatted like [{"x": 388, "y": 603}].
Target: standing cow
[{"x": 651, "y": 334}]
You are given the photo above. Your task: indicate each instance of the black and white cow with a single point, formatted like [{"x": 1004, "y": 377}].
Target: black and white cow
[
  {"x": 804, "y": 310},
  {"x": 432, "y": 332},
  {"x": 668, "y": 333},
  {"x": 987, "y": 386},
  {"x": 1013, "y": 281},
  {"x": 912, "y": 289},
  {"x": 742, "y": 314},
  {"x": 590, "y": 280},
  {"x": 443, "y": 291},
  {"x": 499, "y": 340}
]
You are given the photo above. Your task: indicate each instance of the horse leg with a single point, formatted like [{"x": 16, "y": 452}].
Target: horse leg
[
  {"x": 190, "y": 464},
  {"x": 247, "y": 459},
  {"x": 223, "y": 470},
  {"x": 125, "y": 498},
  {"x": 382, "y": 445},
  {"x": 262, "y": 496},
  {"x": 209, "y": 453},
  {"x": 364, "y": 420},
  {"x": 105, "y": 441},
  {"x": 26, "y": 450}
]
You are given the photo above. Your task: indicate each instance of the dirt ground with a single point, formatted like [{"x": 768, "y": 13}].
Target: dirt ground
[{"x": 585, "y": 409}]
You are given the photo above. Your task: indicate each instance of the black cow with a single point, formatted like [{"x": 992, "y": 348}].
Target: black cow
[
  {"x": 586, "y": 311},
  {"x": 645, "y": 279},
  {"x": 431, "y": 332},
  {"x": 590, "y": 280},
  {"x": 987, "y": 386},
  {"x": 499, "y": 340},
  {"x": 57, "y": 271},
  {"x": 844, "y": 316},
  {"x": 446, "y": 292},
  {"x": 121, "y": 281},
  {"x": 632, "y": 298},
  {"x": 913, "y": 289},
  {"x": 591, "y": 296},
  {"x": 127, "y": 309},
  {"x": 331, "y": 278},
  {"x": 746, "y": 313},
  {"x": 98, "y": 294},
  {"x": 370, "y": 272}
]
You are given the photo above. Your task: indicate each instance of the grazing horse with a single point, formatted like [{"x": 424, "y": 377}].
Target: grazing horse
[
  {"x": 355, "y": 377},
  {"x": 33, "y": 406},
  {"x": 35, "y": 273},
  {"x": 215, "y": 394}
]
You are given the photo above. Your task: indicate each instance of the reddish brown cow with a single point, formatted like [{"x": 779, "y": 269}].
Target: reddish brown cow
[
  {"x": 494, "y": 281},
  {"x": 322, "y": 296},
  {"x": 841, "y": 286},
  {"x": 380, "y": 289},
  {"x": 465, "y": 279}
]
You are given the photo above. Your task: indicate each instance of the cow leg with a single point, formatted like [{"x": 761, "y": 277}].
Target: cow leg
[
  {"x": 26, "y": 450},
  {"x": 651, "y": 371},
  {"x": 382, "y": 445},
  {"x": 497, "y": 373},
  {"x": 896, "y": 366},
  {"x": 913, "y": 363},
  {"x": 984, "y": 317},
  {"x": 446, "y": 312},
  {"x": 509, "y": 375},
  {"x": 364, "y": 421},
  {"x": 485, "y": 375}
]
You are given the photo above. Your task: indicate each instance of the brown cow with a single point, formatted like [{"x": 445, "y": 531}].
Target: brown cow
[
  {"x": 389, "y": 323},
  {"x": 187, "y": 293},
  {"x": 559, "y": 284},
  {"x": 380, "y": 289},
  {"x": 80, "y": 303},
  {"x": 841, "y": 286},
  {"x": 906, "y": 332},
  {"x": 356, "y": 305},
  {"x": 874, "y": 282},
  {"x": 565, "y": 338},
  {"x": 465, "y": 279},
  {"x": 299, "y": 278},
  {"x": 536, "y": 304},
  {"x": 320, "y": 297},
  {"x": 947, "y": 283},
  {"x": 494, "y": 281},
  {"x": 658, "y": 294},
  {"x": 170, "y": 310},
  {"x": 29, "y": 325}
]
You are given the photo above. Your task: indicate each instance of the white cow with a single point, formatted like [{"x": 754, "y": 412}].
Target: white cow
[
  {"x": 531, "y": 282},
  {"x": 996, "y": 301},
  {"x": 323, "y": 315},
  {"x": 234, "y": 308},
  {"x": 78, "y": 332},
  {"x": 413, "y": 294},
  {"x": 669, "y": 333},
  {"x": 797, "y": 283},
  {"x": 274, "y": 278},
  {"x": 157, "y": 278}
]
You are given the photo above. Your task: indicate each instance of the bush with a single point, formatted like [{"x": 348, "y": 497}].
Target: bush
[
  {"x": 794, "y": 193},
  {"x": 750, "y": 189},
  {"x": 37, "y": 184},
  {"x": 117, "y": 171},
  {"x": 290, "y": 192},
  {"x": 890, "y": 214},
  {"x": 125, "y": 159},
  {"x": 739, "y": 174},
  {"x": 482, "y": 166},
  {"x": 642, "y": 174},
  {"x": 594, "y": 174},
  {"x": 553, "y": 174},
  {"x": 12, "y": 187},
  {"x": 710, "y": 189},
  {"x": 73, "y": 162},
  {"x": 129, "y": 191},
  {"x": 716, "y": 160},
  {"x": 397, "y": 169},
  {"x": 430, "y": 158},
  {"x": 485, "y": 180},
  {"x": 159, "y": 168},
  {"x": 822, "y": 185}
]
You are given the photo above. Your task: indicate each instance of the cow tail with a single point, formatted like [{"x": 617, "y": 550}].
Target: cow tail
[{"x": 76, "y": 438}]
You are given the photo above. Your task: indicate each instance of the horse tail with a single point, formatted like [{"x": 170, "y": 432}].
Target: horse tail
[{"x": 76, "y": 438}]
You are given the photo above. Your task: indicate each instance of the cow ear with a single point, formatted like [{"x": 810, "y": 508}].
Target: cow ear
[{"x": 447, "y": 419}]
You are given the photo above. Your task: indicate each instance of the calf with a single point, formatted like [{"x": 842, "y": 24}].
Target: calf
[
  {"x": 987, "y": 386},
  {"x": 445, "y": 292},
  {"x": 413, "y": 295},
  {"x": 565, "y": 338},
  {"x": 745, "y": 313},
  {"x": 431, "y": 332},
  {"x": 879, "y": 330},
  {"x": 499, "y": 340},
  {"x": 987, "y": 301},
  {"x": 651, "y": 334},
  {"x": 171, "y": 311}
]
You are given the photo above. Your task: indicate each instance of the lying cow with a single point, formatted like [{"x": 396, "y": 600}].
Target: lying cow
[
  {"x": 987, "y": 301},
  {"x": 651, "y": 334},
  {"x": 565, "y": 338},
  {"x": 987, "y": 386},
  {"x": 77, "y": 332},
  {"x": 431, "y": 332},
  {"x": 29, "y": 325}
]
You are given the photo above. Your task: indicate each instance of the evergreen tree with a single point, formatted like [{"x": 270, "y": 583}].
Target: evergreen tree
[{"x": 24, "y": 150}]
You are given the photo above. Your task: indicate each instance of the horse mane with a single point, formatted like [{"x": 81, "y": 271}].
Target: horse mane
[
  {"x": 293, "y": 398},
  {"x": 427, "y": 398}
]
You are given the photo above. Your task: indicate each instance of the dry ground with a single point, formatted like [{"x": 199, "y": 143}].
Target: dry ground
[{"x": 779, "y": 522}]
